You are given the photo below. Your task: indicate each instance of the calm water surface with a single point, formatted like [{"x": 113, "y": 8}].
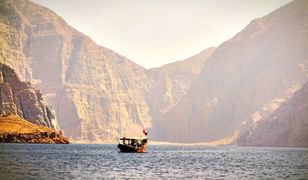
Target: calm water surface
[{"x": 26, "y": 161}]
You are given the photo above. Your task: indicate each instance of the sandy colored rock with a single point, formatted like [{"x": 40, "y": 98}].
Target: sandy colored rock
[
  {"x": 14, "y": 129},
  {"x": 96, "y": 93},
  {"x": 20, "y": 98}
]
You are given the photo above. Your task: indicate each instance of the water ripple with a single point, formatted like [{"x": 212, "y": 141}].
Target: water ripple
[{"x": 34, "y": 161}]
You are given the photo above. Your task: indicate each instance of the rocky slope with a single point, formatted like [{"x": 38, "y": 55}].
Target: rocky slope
[
  {"x": 170, "y": 82},
  {"x": 14, "y": 129},
  {"x": 97, "y": 94},
  {"x": 258, "y": 65},
  {"x": 286, "y": 126},
  {"x": 21, "y": 99}
]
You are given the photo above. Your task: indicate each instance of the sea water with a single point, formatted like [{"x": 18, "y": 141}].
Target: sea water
[{"x": 76, "y": 161}]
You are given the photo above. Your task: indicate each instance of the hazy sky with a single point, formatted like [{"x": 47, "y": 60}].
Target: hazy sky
[{"x": 155, "y": 32}]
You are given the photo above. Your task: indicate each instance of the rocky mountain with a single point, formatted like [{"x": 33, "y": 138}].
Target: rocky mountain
[
  {"x": 21, "y": 99},
  {"x": 97, "y": 94},
  {"x": 259, "y": 65},
  {"x": 214, "y": 96},
  {"x": 170, "y": 82},
  {"x": 286, "y": 126}
]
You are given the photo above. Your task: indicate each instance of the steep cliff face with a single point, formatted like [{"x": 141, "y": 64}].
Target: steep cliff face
[
  {"x": 258, "y": 65},
  {"x": 169, "y": 83},
  {"x": 96, "y": 93},
  {"x": 21, "y": 99},
  {"x": 286, "y": 126}
]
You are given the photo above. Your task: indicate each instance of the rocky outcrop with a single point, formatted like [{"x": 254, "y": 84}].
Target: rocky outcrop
[
  {"x": 258, "y": 65},
  {"x": 14, "y": 129},
  {"x": 21, "y": 99},
  {"x": 286, "y": 126},
  {"x": 96, "y": 93}
]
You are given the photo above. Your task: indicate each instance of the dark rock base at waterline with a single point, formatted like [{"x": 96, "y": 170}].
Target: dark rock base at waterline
[{"x": 41, "y": 138}]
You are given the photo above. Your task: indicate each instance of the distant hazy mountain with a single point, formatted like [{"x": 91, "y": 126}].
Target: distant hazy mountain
[
  {"x": 286, "y": 126},
  {"x": 21, "y": 99},
  {"x": 262, "y": 63},
  {"x": 96, "y": 93},
  {"x": 170, "y": 82}
]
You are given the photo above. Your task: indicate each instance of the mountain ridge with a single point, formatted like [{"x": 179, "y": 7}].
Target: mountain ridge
[{"x": 244, "y": 73}]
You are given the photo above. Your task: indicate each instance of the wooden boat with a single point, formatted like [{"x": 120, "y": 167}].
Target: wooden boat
[{"x": 133, "y": 144}]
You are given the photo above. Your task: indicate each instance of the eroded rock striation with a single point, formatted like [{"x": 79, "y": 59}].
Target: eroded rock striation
[
  {"x": 21, "y": 99},
  {"x": 96, "y": 93}
]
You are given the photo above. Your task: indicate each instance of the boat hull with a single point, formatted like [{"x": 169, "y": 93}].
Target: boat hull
[{"x": 131, "y": 149}]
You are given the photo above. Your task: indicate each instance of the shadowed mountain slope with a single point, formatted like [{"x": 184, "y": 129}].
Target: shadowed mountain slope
[
  {"x": 263, "y": 62},
  {"x": 286, "y": 126},
  {"x": 169, "y": 83}
]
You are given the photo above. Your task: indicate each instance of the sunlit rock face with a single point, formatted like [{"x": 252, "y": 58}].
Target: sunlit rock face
[
  {"x": 96, "y": 93},
  {"x": 258, "y": 65},
  {"x": 21, "y": 99},
  {"x": 169, "y": 83},
  {"x": 286, "y": 126}
]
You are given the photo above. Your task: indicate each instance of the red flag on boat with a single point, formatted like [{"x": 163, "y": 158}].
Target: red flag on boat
[{"x": 145, "y": 132}]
